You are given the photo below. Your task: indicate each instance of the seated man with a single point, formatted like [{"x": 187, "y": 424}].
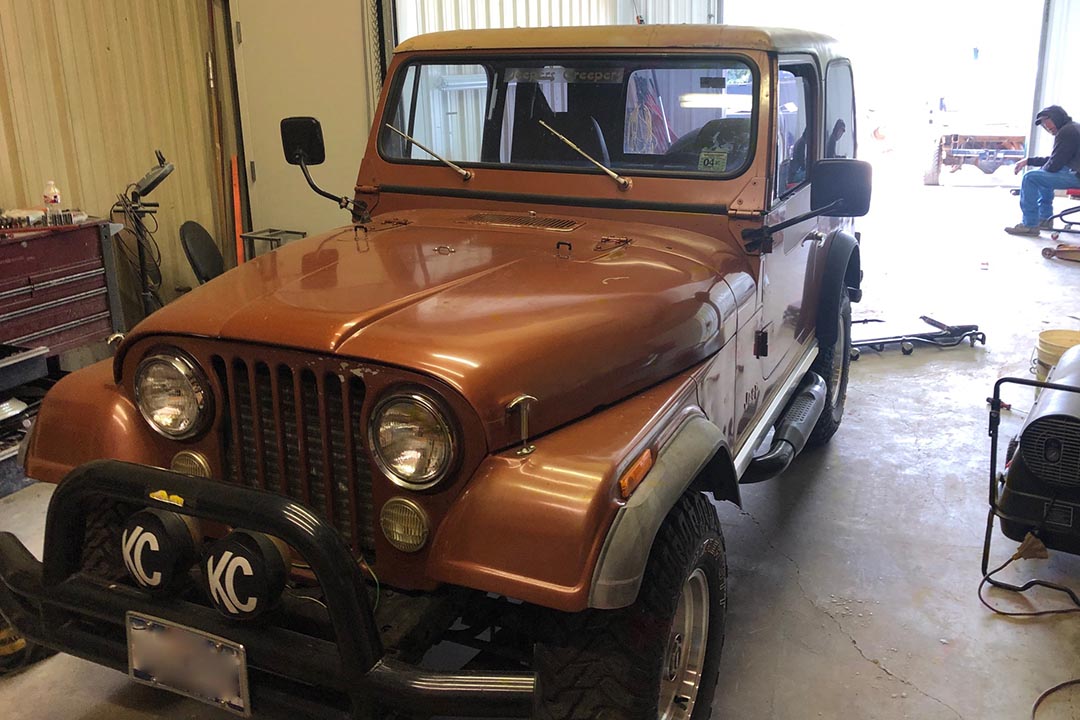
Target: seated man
[{"x": 1059, "y": 171}]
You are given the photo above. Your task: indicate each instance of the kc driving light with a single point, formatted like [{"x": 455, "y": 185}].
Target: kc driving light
[
  {"x": 172, "y": 395},
  {"x": 158, "y": 548},
  {"x": 411, "y": 440},
  {"x": 245, "y": 573}
]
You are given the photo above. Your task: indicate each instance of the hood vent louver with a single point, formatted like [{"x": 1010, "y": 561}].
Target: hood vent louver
[{"x": 526, "y": 221}]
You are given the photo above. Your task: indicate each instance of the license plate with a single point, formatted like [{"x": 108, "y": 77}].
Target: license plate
[{"x": 190, "y": 662}]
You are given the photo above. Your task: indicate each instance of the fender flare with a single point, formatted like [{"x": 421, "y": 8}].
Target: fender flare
[
  {"x": 843, "y": 270},
  {"x": 696, "y": 446}
]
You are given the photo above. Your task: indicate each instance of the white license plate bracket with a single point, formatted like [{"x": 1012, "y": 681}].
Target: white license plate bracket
[{"x": 189, "y": 662}]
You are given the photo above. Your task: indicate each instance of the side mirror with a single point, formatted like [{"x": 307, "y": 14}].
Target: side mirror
[
  {"x": 842, "y": 186},
  {"x": 301, "y": 139}
]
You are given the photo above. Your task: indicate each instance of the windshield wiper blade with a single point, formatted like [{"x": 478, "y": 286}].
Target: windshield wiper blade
[
  {"x": 465, "y": 174},
  {"x": 624, "y": 183}
]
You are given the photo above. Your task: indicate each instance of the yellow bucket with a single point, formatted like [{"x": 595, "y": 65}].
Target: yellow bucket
[{"x": 1051, "y": 346}]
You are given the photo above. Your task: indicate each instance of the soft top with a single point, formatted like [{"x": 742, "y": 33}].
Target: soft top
[{"x": 712, "y": 37}]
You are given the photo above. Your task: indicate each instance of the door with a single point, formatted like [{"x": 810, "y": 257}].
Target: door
[
  {"x": 296, "y": 58},
  {"x": 783, "y": 271}
]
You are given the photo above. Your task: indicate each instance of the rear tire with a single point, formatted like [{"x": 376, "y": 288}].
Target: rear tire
[
  {"x": 636, "y": 663},
  {"x": 932, "y": 174},
  {"x": 834, "y": 364}
]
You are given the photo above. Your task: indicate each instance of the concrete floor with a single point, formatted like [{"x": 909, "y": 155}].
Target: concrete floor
[{"x": 853, "y": 576}]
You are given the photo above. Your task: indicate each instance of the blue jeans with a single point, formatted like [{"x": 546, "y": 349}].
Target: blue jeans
[{"x": 1037, "y": 192}]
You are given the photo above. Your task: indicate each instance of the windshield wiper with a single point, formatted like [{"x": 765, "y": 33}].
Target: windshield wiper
[
  {"x": 623, "y": 182},
  {"x": 465, "y": 174}
]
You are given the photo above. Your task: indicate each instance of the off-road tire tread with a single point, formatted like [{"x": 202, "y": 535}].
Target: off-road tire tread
[
  {"x": 598, "y": 665},
  {"x": 101, "y": 556},
  {"x": 833, "y": 414}
]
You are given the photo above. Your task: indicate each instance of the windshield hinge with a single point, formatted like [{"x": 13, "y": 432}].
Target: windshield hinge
[{"x": 735, "y": 214}]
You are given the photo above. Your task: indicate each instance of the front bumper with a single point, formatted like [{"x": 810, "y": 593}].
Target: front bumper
[{"x": 291, "y": 673}]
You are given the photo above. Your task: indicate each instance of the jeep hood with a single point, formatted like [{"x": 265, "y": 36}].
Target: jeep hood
[{"x": 577, "y": 318}]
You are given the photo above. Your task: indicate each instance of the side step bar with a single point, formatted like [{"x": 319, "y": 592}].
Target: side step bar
[{"x": 792, "y": 430}]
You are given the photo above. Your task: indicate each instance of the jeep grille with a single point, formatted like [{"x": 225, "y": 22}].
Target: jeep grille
[
  {"x": 530, "y": 221},
  {"x": 295, "y": 429}
]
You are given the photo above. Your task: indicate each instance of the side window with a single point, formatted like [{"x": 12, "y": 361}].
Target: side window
[
  {"x": 839, "y": 112},
  {"x": 795, "y": 147}
]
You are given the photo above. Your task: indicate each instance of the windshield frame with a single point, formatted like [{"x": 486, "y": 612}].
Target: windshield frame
[{"x": 634, "y": 61}]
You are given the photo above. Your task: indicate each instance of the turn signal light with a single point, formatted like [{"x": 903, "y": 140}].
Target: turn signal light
[{"x": 633, "y": 476}]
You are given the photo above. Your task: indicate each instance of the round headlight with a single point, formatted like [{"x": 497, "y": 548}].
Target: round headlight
[
  {"x": 172, "y": 395},
  {"x": 411, "y": 440}
]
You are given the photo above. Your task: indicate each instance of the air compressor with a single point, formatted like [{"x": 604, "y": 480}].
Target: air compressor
[{"x": 1039, "y": 492}]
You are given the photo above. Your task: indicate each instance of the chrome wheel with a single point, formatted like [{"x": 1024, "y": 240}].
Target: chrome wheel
[{"x": 684, "y": 657}]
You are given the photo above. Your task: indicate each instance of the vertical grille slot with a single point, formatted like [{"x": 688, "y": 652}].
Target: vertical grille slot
[
  {"x": 292, "y": 486},
  {"x": 298, "y": 432}
]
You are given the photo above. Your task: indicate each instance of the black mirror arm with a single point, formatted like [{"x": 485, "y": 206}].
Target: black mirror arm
[
  {"x": 359, "y": 209},
  {"x": 760, "y": 238}
]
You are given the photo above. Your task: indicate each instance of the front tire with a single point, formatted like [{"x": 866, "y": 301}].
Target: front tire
[
  {"x": 658, "y": 658},
  {"x": 16, "y": 652},
  {"x": 834, "y": 364}
]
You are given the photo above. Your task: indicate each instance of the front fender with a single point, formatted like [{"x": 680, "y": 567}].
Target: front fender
[
  {"x": 621, "y": 567},
  {"x": 532, "y": 527},
  {"x": 86, "y": 417}
]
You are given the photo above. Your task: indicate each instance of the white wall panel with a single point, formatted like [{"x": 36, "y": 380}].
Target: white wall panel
[{"x": 296, "y": 59}]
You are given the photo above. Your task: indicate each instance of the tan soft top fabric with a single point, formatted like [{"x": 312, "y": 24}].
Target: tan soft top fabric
[{"x": 713, "y": 37}]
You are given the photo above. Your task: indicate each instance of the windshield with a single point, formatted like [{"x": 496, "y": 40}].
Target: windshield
[{"x": 639, "y": 115}]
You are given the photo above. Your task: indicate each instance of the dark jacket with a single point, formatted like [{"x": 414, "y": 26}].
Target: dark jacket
[{"x": 1066, "y": 152}]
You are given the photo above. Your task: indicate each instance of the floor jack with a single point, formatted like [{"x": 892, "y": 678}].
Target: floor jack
[{"x": 944, "y": 336}]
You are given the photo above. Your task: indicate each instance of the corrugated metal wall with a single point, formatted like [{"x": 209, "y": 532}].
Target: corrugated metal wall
[
  {"x": 416, "y": 17},
  {"x": 660, "y": 12},
  {"x": 89, "y": 89}
]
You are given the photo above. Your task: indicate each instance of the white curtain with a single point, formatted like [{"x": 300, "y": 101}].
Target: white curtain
[{"x": 1062, "y": 57}]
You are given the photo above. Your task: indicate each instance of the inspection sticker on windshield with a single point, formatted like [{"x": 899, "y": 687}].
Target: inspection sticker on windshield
[{"x": 712, "y": 161}]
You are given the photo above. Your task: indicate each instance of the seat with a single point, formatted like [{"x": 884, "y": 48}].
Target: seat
[
  {"x": 583, "y": 131},
  {"x": 202, "y": 252}
]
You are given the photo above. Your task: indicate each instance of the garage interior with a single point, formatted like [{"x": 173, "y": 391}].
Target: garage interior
[{"x": 853, "y": 576}]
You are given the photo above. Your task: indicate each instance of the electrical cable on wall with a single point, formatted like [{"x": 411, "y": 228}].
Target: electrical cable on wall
[
  {"x": 145, "y": 260},
  {"x": 136, "y": 232}
]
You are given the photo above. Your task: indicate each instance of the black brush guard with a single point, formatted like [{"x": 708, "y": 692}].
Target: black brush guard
[{"x": 291, "y": 674}]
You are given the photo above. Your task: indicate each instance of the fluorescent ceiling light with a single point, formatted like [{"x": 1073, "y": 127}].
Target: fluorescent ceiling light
[
  {"x": 476, "y": 81},
  {"x": 727, "y": 101}
]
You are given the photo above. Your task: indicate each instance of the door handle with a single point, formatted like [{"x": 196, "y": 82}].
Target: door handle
[{"x": 815, "y": 236}]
